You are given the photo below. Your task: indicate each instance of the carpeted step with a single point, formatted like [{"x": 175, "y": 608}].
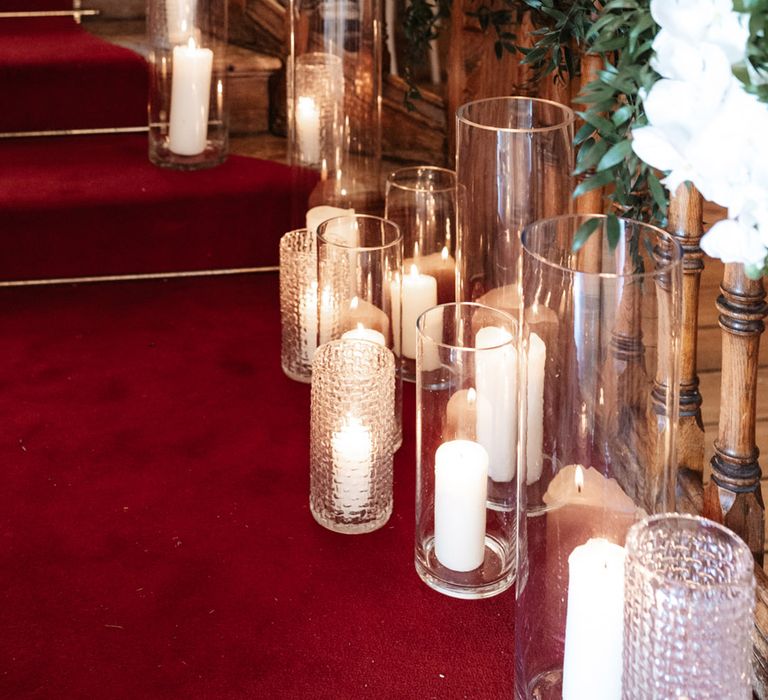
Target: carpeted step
[
  {"x": 94, "y": 205},
  {"x": 54, "y": 75}
]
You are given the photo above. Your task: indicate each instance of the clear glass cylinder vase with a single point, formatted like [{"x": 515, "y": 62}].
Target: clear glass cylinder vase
[
  {"x": 351, "y": 450},
  {"x": 424, "y": 202},
  {"x": 188, "y": 117},
  {"x": 466, "y": 384},
  {"x": 514, "y": 156},
  {"x": 689, "y": 591},
  {"x": 334, "y": 102},
  {"x": 359, "y": 259},
  {"x": 599, "y": 395}
]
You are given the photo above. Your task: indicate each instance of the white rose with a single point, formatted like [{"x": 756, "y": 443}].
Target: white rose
[
  {"x": 733, "y": 242},
  {"x": 688, "y": 18},
  {"x": 710, "y": 21},
  {"x": 658, "y": 148}
]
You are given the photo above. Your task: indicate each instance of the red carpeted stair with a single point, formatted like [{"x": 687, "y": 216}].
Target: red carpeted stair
[
  {"x": 156, "y": 534},
  {"x": 94, "y": 205},
  {"x": 54, "y": 75}
]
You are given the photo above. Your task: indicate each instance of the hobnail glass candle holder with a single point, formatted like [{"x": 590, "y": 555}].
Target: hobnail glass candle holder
[
  {"x": 351, "y": 449},
  {"x": 466, "y": 391},
  {"x": 599, "y": 397},
  {"x": 333, "y": 77},
  {"x": 689, "y": 591},
  {"x": 514, "y": 155},
  {"x": 358, "y": 276},
  {"x": 298, "y": 303},
  {"x": 188, "y": 113},
  {"x": 423, "y": 202}
]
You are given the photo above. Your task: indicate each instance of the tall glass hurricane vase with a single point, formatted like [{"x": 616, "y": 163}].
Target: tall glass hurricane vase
[
  {"x": 598, "y": 427},
  {"x": 334, "y": 101},
  {"x": 514, "y": 156},
  {"x": 188, "y": 121}
]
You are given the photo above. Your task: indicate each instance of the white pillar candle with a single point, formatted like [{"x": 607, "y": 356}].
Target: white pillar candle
[
  {"x": 461, "y": 485},
  {"x": 537, "y": 355},
  {"x": 363, "y": 333},
  {"x": 594, "y": 628},
  {"x": 419, "y": 293},
  {"x": 316, "y": 215},
  {"x": 496, "y": 381},
  {"x": 308, "y": 130},
  {"x": 308, "y": 315},
  {"x": 352, "y": 454},
  {"x": 190, "y": 97}
]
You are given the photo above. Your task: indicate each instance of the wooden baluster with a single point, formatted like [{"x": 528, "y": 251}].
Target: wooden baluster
[
  {"x": 685, "y": 224},
  {"x": 733, "y": 495}
]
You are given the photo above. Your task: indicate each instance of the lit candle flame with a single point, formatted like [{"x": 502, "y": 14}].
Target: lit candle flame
[
  {"x": 471, "y": 395},
  {"x": 360, "y": 326},
  {"x": 414, "y": 271},
  {"x": 578, "y": 478},
  {"x": 444, "y": 254},
  {"x": 354, "y": 303},
  {"x": 191, "y": 43}
]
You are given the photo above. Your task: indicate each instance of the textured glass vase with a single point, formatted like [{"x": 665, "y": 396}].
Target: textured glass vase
[
  {"x": 466, "y": 389},
  {"x": 298, "y": 303},
  {"x": 351, "y": 446},
  {"x": 598, "y": 400},
  {"x": 188, "y": 114},
  {"x": 690, "y": 597}
]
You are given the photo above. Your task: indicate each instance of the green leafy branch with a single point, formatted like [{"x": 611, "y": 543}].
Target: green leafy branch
[
  {"x": 622, "y": 35},
  {"x": 421, "y": 24}
]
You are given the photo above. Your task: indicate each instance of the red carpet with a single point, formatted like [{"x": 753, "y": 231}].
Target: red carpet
[
  {"x": 156, "y": 536},
  {"x": 88, "y": 205},
  {"x": 55, "y": 75}
]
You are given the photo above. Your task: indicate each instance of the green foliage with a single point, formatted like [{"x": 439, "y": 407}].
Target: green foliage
[
  {"x": 421, "y": 24},
  {"x": 755, "y": 78},
  {"x": 622, "y": 35}
]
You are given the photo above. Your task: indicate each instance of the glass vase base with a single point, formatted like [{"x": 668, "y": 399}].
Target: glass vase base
[
  {"x": 548, "y": 685},
  {"x": 349, "y": 526},
  {"x": 213, "y": 155},
  {"x": 298, "y": 376},
  {"x": 493, "y": 577}
]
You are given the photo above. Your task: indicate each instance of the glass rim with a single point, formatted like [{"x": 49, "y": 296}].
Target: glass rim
[
  {"x": 741, "y": 551},
  {"x": 421, "y": 323},
  {"x": 671, "y": 264},
  {"x": 569, "y": 117},
  {"x": 392, "y": 178},
  {"x": 302, "y": 230},
  {"x": 357, "y": 217}
]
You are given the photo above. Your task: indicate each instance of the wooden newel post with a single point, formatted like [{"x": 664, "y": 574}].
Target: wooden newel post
[
  {"x": 733, "y": 495},
  {"x": 685, "y": 224}
]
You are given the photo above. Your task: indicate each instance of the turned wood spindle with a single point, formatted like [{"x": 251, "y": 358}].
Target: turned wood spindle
[
  {"x": 685, "y": 224},
  {"x": 733, "y": 495}
]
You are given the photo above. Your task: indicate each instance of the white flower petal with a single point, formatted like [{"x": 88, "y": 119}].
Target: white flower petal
[{"x": 730, "y": 241}]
